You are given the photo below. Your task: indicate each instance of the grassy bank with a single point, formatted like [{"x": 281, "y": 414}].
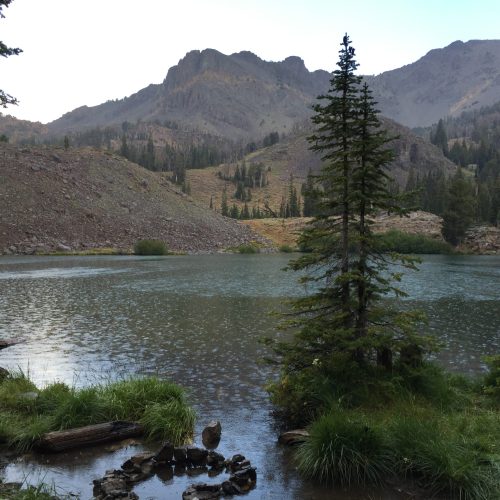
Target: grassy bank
[
  {"x": 438, "y": 430},
  {"x": 27, "y": 412}
]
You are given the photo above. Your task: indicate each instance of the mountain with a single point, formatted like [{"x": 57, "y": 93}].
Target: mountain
[
  {"x": 445, "y": 82},
  {"x": 239, "y": 96},
  {"x": 242, "y": 97},
  {"x": 82, "y": 198}
]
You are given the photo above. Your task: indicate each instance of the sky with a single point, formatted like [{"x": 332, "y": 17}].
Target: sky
[{"x": 85, "y": 52}]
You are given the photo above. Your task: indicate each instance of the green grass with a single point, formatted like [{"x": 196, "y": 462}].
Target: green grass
[
  {"x": 439, "y": 430},
  {"x": 150, "y": 247},
  {"x": 158, "y": 404},
  {"x": 405, "y": 243}
]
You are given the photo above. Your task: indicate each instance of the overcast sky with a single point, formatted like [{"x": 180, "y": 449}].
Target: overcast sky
[{"x": 79, "y": 52}]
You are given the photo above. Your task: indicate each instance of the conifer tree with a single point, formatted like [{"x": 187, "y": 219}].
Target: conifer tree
[
  {"x": 224, "y": 207},
  {"x": 460, "y": 209},
  {"x": 5, "y": 51},
  {"x": 343, "y": 323}
]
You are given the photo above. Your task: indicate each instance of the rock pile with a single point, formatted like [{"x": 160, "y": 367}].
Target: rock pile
[{"x": 190, "y": 460}]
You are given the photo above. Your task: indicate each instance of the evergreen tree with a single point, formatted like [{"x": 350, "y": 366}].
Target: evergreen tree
[
  {"x": 439, "y": 138},
  {"x": 234, "y": 212},
  {"x": 460, "y": 209},
  {"x": 223, "y": 206},
  {"x": 66, "y": 142},
  {"x": 6, "y": 99},
  {"x": 245, "y": 213},
  {"x": 344, "y": 323},
  {"x": 293, "y": 200},
  {"x": 309, "y": 195}
]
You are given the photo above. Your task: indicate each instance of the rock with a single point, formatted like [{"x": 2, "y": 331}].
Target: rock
[
  {"x": 197, "y": 470},
  {"x": 296, "y": 436},
  {"x": 180, "y": 455},
  {"x": 136, "y": 462},
  {"x": 3, "y": 373},
  {"x": 215, "y": 459},
  {"x": 196, "y": 456},
  {"x": 202, "y": 491},
  {"x": 245, "y": 478},
  {"x": 165, "y": 454},
  {"x": 211, "y": 434},
  {"x": 63, "y": 248},
  {"x": 229, "y": 488}
]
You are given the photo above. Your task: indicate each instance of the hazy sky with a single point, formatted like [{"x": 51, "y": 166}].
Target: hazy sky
[{"x": 80, "y": 52}]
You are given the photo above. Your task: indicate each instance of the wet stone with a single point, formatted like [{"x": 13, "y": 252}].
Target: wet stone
[
  {"x": 215, "y": 459},
  {"x": 165, "y": 454},
  {"x": 211, "y": 434},
  {"x": 196, "y": 456},
  {"x": 202, "y": 491},
  {"x": 180, "y": 455}
]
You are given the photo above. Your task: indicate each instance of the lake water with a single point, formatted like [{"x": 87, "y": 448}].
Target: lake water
[{"x": 196, "y": 320}]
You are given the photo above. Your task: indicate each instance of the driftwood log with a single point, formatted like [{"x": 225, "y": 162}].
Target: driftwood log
[
  {"x": 4, "y": 343},
  {"x": 88, "y": 435}
]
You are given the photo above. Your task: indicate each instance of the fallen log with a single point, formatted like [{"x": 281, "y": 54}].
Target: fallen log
[
  {"x": 4, "y": 343},
  {"x": 291, "y": 438},
  {"x": 88, "y": 435}
]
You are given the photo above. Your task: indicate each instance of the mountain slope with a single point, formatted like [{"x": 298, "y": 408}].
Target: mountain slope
[
  {"x": 292, "y": 157},
  {"x": 445, "y": 82},
  {"x": 239, "y": 96},
  {"x": 51, "y": 198}
]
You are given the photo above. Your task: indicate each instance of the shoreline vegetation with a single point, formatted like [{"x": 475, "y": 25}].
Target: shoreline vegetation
[
  {"x": 28, "y": 412},
  {"x": 390, "y": 241},
  {"x": 354, "y": 370}
]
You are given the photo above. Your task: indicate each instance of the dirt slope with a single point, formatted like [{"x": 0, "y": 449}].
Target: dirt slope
[{"x": 56, "y": 199}]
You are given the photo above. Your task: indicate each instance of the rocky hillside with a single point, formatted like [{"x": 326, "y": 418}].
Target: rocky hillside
[
  {"x": 79, "y": 199},
  {"x": 445, "y": 82},
  {"x": 292, "y": 157}
]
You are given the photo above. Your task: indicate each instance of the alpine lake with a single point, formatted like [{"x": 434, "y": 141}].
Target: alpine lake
[{"x": 196, "y": 320}]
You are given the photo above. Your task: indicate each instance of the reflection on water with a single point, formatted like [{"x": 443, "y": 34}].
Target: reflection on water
[{"x": 196, "y": 320}]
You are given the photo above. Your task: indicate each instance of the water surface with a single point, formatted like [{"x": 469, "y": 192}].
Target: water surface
[{"x": 196, "y": 320}]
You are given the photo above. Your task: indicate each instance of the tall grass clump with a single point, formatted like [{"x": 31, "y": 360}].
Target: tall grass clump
[
  {"x": 343, "y": 450},
  {"x": 445, "y": 457},
  {"x": 159, "y": 405},
  {"x": 150, "y": 247}
]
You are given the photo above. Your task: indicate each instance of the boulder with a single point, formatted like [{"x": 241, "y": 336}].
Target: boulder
[{"x": 211, "y": 434}]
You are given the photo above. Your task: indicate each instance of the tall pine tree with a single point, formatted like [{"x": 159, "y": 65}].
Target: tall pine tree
[{"x": 342, "y": 327}]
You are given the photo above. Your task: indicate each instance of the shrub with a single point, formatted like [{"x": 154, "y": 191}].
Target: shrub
[
  {"x": 150, "y": 247},
  {"x": 286, "y": 249},
  {"x": 248, "y": 248},
  {"x": 397, "y": 241}
]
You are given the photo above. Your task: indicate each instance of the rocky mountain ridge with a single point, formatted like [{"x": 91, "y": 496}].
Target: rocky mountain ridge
[{"x": 243, "y": 97}]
